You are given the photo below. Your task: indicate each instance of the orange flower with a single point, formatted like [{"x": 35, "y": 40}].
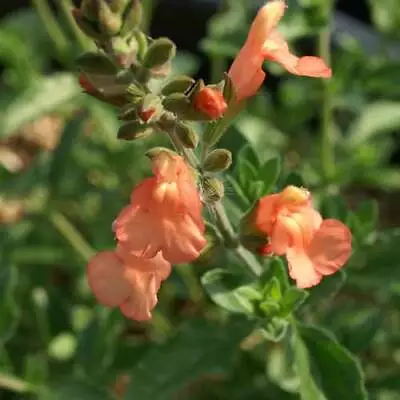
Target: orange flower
[
  {"x": 129, "y": 282},
  {"x": 210, "y": 102},
  {"x": 313, "y": 247},
  {"x": 265, "y": 43},
  {"x": 164, "y": 214}
]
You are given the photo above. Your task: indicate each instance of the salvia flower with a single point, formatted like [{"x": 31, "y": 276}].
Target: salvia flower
[
  {"x": 128, "y": 282},
  {"x": 264, "y": 42},
  {"x": 164, "y": 214},
  {"x": 313, "y": 247}
]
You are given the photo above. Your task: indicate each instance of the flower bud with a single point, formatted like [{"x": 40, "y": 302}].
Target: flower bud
[
  {"x": 156, "y": 152},
  {"x": 88, "y": 27},
  {"x": 187, "y": 135},
  {"x": 118, "y": 6},
  {"x": 132, "y": 17},
  {"x": 180, "y": 84},
  {"x": 134, "y": 130},
  {"x": 213, "y": 190},
  {"x": 109, "y": 22},
  {"x": 210, "y": 102},
  {"x": 151, "y": 108},
  {"x": 160, "y": 52},
  {"x": 218, "y": 160}
]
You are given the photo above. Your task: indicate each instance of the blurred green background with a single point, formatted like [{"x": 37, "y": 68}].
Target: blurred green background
[{"x": 64, "y": 177}]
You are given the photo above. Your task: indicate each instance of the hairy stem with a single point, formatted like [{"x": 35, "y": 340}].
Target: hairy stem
[
  {"x": 53, "y": 29},
  {"x": 327, "y": 142},
  {"x": 66, "y": 7}
]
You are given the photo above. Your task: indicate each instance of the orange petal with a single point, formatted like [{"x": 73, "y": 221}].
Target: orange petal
[
  {"x": 266, "y": 213},
  {"x": 301, "y": 269},
  {"x": 331, "y": 247},
  {"x": 277, "y": 49},
  {"x": 281, "y": 237},
  {"x": 106, "y": 279},
  {"x": 266, "y": 20},
  {"x": 144, "y": 296}
]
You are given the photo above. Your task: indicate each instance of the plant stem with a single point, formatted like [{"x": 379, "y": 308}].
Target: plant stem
[
  {"x": 54, "y": 31},
  {"x": 72, "y": 235},
  {"x": 327, "y": 142},
  {"x": 66, "y": 7},
  {"x": 230, "y": 238}
]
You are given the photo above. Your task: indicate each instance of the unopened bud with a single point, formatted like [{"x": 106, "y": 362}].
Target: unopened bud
[
  {"x": 177, "y": 103},
  {"x": 88, "y": 27},
  {"x": 134, "y": 130},
  {"x": 118, "y": 6},
  {"x": 213, "y": 190},
  {"x": 218, "y": 160},
  {"x": 156, "y": 152},
  {"x": 210, "y": 102},
  {"x": 109, "y": 22},
  {"x": 187, "y": 135},
  {"x": 180, "y": 84},
  {"x": 132, "y": 17},
  {"x": 160, "y": 52},
  {"x": 151, "y": 108}
]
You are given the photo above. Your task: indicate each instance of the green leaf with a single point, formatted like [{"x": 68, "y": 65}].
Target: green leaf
[
  {"x": 327, "y": 289},
  {"x": 62, "y": 153},
  {"x": 377, "y": 118},
  {"x": 198, "y": 349},
  {"x": 269, "y": 174},
  {"x": 9, "y": 311},
  {"x": 44, "y": 96},
  {"x": 276, "y": 268},
  {"x": 76, "y": 390},
  {"x": 335, "y": 369},
  {"x": 272, "y": 289},
  {"x": 275, "y": 329},
  {"x": 308, "y": 389},
  {"x": 292, "y": 300},
  {"x": 229, "y": 291}
]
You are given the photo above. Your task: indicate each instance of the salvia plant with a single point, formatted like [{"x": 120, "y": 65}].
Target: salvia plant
[{"x": 230, "y": 227}]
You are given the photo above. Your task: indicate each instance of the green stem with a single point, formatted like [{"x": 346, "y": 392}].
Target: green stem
[
  {"x": 15, "y": 384},
  {"x": 72, "y": 235},
  {"x": 232, "y": 241},
  {"x": 54, "y": 31},
  {"x": 66, "y": 7},
  {"x": 327, "y": 142}
]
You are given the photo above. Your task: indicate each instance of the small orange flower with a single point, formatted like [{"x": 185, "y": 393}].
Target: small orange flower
[
  {"x": 264, "y": 42},
  {"x": 210, "y": 102},
  {"x": 164, "y": 214},
  {"x": 130, "y": 283},
  {"x": 313, "y": 247}
]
